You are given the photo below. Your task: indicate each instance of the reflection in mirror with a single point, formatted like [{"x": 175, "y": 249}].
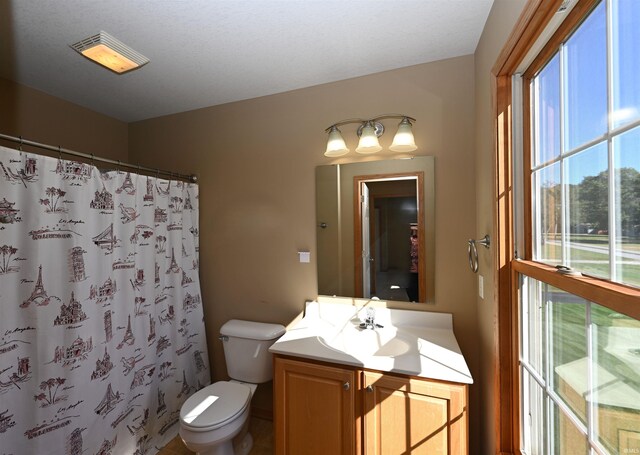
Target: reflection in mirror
[
  {"x": 386, "y": 253},
  {"x": 375, "y": 230}
]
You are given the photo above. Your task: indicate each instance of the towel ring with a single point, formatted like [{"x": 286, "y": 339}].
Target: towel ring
[{"x": 472, "y": 251}]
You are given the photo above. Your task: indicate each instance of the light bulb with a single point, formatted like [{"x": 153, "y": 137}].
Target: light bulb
[
  {"x": 335, "y": 143},
  {"x": 368, "y": 140},
  {"x": 403, "y": 141}
]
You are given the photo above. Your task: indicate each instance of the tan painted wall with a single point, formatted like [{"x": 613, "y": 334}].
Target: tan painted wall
[
  {"x": 256, "y": 161},
  {"x": 502, "y": 18},
  {"x": 39, "y": 117}
]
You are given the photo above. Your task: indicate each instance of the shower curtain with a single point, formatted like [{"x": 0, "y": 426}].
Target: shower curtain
[{"x": 101, "y": 324}]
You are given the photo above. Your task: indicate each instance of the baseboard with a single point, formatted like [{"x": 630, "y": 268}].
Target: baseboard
[{"x": 265, "y": 414}]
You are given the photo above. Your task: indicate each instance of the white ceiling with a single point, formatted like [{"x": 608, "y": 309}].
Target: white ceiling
[{"x": 209, "y": 52}]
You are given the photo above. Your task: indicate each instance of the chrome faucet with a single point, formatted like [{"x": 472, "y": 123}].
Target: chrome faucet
[{"x": 369, "y": 322}]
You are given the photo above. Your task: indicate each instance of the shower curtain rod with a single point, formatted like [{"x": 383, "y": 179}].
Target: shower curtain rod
[{"x": 190, "y": 178}]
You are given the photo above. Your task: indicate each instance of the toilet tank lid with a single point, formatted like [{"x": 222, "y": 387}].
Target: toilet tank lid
[{"x": 252, "y": 330}]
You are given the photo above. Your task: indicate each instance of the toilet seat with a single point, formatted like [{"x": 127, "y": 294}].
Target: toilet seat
[{"x": 223, "y": 402}]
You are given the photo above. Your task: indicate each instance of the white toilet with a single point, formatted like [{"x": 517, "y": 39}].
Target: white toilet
[{"x": 214, "y": 415}]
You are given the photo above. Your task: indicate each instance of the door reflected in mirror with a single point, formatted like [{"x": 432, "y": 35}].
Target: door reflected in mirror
[
  {"x": 376, "y": 230},
  {"x": 386, "y": 253}
]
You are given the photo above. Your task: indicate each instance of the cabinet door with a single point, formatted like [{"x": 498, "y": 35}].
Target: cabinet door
[
  {"x": 415, "y": 416},
  {"x": 314, "y": 409}
]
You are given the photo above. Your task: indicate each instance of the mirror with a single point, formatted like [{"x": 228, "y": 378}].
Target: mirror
[{"x": 375, "y": 229}]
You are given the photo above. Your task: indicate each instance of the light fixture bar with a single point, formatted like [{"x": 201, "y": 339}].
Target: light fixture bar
[
  {"x": 369, "y": 132},
  {"x": 363, "y": 121},
  {"x": 111, "y": 53}
]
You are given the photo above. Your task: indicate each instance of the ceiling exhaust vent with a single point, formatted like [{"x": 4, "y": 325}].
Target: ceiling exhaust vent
[{"x": 111, "y": 53}]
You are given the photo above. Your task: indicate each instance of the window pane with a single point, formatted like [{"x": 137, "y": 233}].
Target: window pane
[
  {"x": 568, "y": 351},
  {"x": 534, "y": 340},
  {"x": 586, "y": 81},
  {"x": 626, "y": 61},
  {"x": 534, "y": 425},
  {"x": 626, "y": 149},
  {"x": 547, "y": 246},
  {"x": 568, "y": 439},
  {"x": 616, "y": 380},
  {"x": 547, "y": 112},
  {"x": 588, "y": 188}
]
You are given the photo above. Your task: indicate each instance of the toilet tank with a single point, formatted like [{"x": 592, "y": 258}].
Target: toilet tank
[{"x": 246, "y": 349}]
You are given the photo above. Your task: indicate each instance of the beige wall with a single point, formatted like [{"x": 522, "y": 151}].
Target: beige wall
[
  {"x": 39, "y": 117},
  {"x": 256, "y": 162},
  {"x": 502, "y": 18}
]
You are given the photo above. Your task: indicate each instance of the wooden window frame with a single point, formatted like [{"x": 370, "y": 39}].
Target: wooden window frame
[{"x": 535, "y": 16}]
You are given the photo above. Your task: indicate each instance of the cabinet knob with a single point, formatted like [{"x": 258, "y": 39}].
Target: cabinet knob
[
  {"x": 369, "y": 388},
  {"x": 346, "y": 386}
]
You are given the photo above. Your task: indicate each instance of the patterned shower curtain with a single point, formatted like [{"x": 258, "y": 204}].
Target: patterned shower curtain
[{"x": 101, "y": 325}]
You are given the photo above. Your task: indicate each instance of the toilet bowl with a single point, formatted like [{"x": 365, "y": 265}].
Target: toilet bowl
[{"x": 212, "y": 417}]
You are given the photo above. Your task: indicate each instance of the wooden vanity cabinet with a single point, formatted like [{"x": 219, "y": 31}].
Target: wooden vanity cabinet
[
  {"x": 405, "y": 415},
  {"x": 315, "y": 408},
  {"x": 377, "y": 413}
]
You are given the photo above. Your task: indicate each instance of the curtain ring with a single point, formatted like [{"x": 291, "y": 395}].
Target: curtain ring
[
  {"x": 60, "y": 152},
  {"x": 138, "y": 168},
  {"x": 118, "y": 168},
  {"x": 20, "y": 146},
  {"x": 92, "y": 159},
  {"x": 157, "y": 173}
]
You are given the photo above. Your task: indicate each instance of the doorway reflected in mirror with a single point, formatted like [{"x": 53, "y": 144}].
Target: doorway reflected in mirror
[
  {"x": 388, "y": 224},
  {"x": 375, "y": 234}
]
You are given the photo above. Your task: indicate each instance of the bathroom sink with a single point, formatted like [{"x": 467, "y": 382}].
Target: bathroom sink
[
  {"x": 370, "y": 343},
  {"x": 417, "y": 343}
]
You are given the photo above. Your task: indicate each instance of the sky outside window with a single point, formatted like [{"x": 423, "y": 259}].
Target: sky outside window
[
  {"x": 586, "y": 81},
  {"x": 626, "y": 61},
  {"x": 548, "y": 112}
]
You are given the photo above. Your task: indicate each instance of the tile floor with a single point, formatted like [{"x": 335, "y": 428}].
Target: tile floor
[{"x": 261, "y": 430}]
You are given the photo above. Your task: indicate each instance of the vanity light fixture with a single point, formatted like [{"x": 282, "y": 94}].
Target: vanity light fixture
[
  {"x": 107, "y": 51},
  {"x": 369, "y": 131}
]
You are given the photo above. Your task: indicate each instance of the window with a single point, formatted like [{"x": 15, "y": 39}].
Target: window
[
  {"x": 586, "y": 149},
  {"x": 579, "y": 359},
  {"x": 579, "y": 375}
]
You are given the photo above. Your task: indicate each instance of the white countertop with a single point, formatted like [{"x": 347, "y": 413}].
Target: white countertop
[{"x": 416, "y": 343}]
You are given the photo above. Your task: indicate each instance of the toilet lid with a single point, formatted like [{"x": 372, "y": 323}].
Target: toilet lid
[{"x": 214, "y": 405}]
